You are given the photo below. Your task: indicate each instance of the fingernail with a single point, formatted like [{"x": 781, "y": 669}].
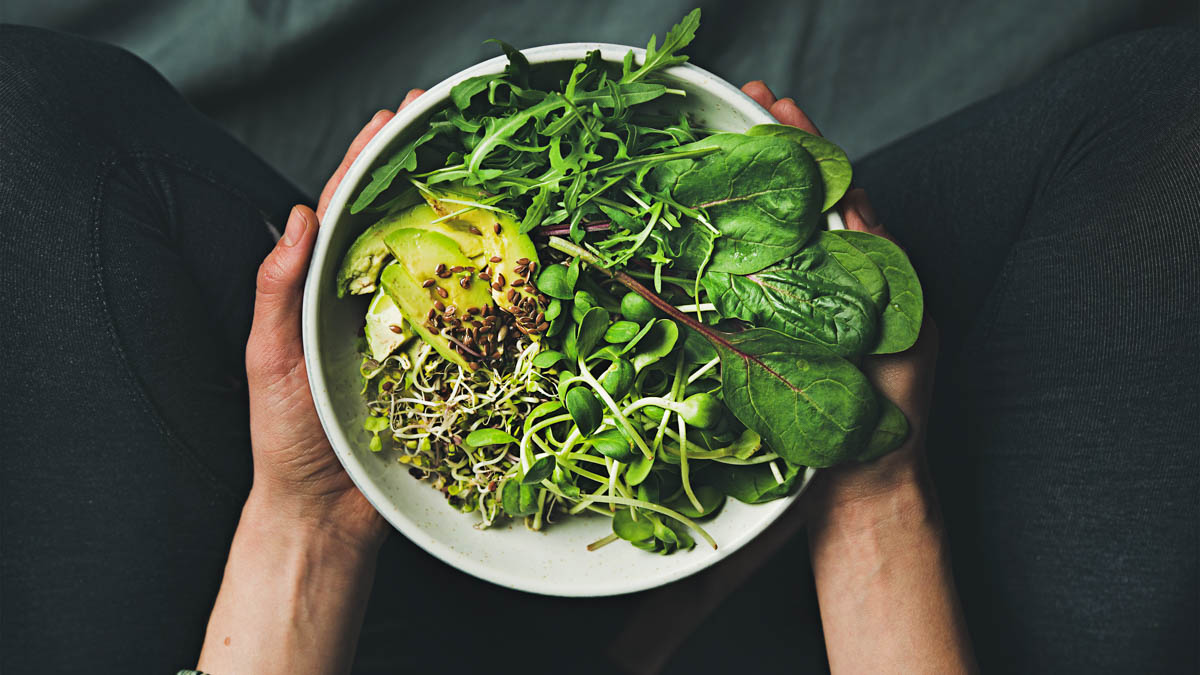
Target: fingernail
[{"x": 297, "y": 225}]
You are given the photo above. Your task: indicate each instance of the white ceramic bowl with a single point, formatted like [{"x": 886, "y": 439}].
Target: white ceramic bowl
[{"x": 555, "y": 560}]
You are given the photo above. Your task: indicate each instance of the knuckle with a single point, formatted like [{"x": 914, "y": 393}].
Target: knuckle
[{"x": 272, "y": 275}]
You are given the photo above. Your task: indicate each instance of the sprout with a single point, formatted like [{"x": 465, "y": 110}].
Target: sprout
[{"x": 699, "y": 410}]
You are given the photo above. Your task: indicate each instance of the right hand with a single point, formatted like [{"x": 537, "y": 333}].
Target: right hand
[{"x": 906, "y": 379}]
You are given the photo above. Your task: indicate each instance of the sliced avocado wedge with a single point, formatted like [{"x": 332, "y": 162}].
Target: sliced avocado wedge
[
  {"x": 439, "y": 306},
  {"x": 511, "y": 257},
  {"x": 360, "y": 267},
  {"x": 386, "y": 331}
]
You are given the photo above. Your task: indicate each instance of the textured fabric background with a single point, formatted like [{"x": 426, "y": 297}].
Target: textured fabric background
[{"x": 296, "y": 79}]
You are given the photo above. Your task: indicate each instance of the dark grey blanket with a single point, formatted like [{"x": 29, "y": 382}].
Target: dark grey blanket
[{"x": 295, "y": 80}]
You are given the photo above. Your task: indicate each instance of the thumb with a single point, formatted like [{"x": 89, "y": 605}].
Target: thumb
[{"x": 274, "y": 343}]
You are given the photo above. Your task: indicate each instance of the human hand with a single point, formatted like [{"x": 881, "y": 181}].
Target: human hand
[
  {"x": 657, "y": 629},
  {"x": 905, "y": 378},
  {"x": 296, "y": 475}
]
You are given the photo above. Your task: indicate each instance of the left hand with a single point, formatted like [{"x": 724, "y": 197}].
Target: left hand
[{"x": 296, "y": 474}]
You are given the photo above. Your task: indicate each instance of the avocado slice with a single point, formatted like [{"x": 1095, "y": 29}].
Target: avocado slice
[
  {"x": 366, "y": 256},
  {"x": 439, "y": 307},
  {"x": 386, "y": 331},
  {"x": 511, "y": 258}
]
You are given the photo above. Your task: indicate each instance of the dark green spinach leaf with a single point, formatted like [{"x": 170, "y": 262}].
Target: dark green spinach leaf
[
  {"x": 830, "y": 159},
  {"x": 762, "y": 196},
  {"x": 807, "y": 295},
  {"x": 900, "y": 322}
]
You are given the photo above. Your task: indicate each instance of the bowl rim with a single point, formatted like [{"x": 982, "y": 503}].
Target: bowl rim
[{"x": 426, "y": 104}]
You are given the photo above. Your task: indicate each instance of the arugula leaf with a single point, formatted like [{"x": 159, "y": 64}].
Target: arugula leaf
[
  {"x": 404, "y": 159},
  {"x": 680, "y": 35},
  {"x": 462, "y": 93},
  {"x": 518, "y": 66}
]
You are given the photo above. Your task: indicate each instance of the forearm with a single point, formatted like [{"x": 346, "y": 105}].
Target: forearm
[
  {"x": 292, "y": 598},
  {"x": 884, "y": 581}
]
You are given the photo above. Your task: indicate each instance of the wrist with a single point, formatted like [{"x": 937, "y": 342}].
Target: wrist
[
  {"x": 346, "y": 522},
  {"x": 863, "y": 496}
]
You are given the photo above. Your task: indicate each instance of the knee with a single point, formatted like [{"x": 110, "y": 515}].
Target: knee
[
  {"x": 1153, "y": 73},
  {"x": 53, "y": 74}
]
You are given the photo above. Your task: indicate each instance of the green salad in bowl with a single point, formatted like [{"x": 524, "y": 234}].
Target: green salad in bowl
[{"x": 587, "y": 300}]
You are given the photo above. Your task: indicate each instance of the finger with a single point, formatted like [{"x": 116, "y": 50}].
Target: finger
[
  {"x": 410, "y": 97},
  {"x": 274, "y": 346},
  {"x": 356, "y": 146},
  {"x": 759, "y": 91},
  {"x": 787, "y": 112},
  {"x": 859, "y": 215}
]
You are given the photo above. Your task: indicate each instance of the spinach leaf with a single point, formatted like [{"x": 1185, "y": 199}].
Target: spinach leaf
[
  {"x": 890, "y": 431},
  {"x": 807, "y": 295},
  {"x": 697, "y": 349},
  {"x": 753, "y": 484},
  {"x": 900, "y": 322},
  {"x": 858, "y": 264},
  {"x": 811, "y": 406},
  {"x": 830, "y": 159},
  {"x": 761, "y": 195}
]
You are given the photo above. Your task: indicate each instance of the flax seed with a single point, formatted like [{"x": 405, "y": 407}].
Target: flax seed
[
  {"x": 500, "y": 279},
  {"x": 522, "y": 261},
  {"x": 518, "y": 282},
  {"x": 427, "y": 283},
  {"x": 439, "y": 305},
  {"x": 495, "y": 259},
  {"x": 472, "y": 310},
  {"x": 443, "y": 292},
  {"x": 485, "y": 276},
  {"x": 395, "y": 329},
  {"x": 465, "y": 282},
  {"x": 541, "y": 317},
  {"x": 496, "y": 228},
  {"x": 452, "y": 310},
  {"x": 439, "y": 269},
  {"x": 512, "y": 295},
  {"x": 497, "y": 286},
  {"x": 457, "y": 268},
  {"x": 475, "y": 230}
]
